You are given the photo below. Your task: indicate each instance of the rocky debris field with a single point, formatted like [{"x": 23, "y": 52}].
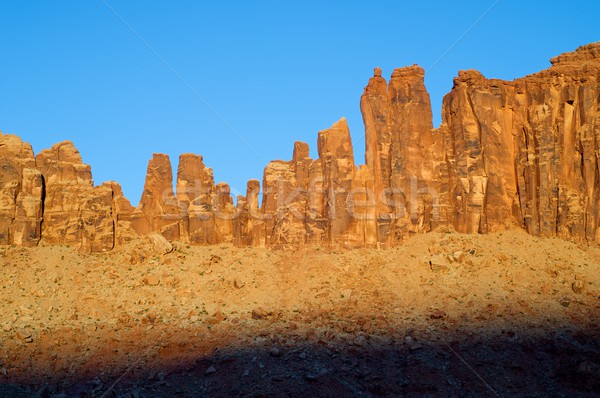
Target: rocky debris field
[{"x": 443, "y": 314}]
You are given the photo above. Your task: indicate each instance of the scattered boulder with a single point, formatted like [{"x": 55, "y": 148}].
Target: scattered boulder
[
  {"x": 24, "y": 335},
  {"x": 160, "y": 244},
  {"x": 216, "y": 318},
  {"x": 152, "y": 280},
  {"x": 565, "y": 301},
  {"x": 439, "y": 263},
  {"x": 360, "y": 341},
  {"x": 238, "y": 283},
  {"x": 275, "y": 352},
  {"x": 578, "y": 286},
  {"x": 458, "y": 256},
  {"x": 260, "y": 313}
]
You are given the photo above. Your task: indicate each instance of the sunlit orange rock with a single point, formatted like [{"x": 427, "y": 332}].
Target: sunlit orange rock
[
  {"x": 158, "y": 210},
  {"x": 21, "y": 193},
  {"x": 75, "y": 212},
  {"x": 525, "y": 152},
  {"x": 520, "y": 153}
]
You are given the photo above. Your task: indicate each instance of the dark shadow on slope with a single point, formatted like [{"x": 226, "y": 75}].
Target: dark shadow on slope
[{"x": 558, "y": 363}]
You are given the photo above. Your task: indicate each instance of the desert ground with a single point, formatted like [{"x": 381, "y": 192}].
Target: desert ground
[{"x": 442, "y": 314}]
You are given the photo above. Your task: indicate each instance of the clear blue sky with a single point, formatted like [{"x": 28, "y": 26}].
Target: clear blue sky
[{"x": 274, "y": 71}]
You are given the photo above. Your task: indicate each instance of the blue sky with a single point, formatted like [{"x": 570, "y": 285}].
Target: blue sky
[{"x": 124, "y": 84}]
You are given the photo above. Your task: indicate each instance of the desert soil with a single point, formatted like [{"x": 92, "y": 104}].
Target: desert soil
[{"x": 443, "y": 314}]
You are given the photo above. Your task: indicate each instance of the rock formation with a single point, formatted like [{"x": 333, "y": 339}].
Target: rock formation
[
  {"x": 158, "y": 210},
  {"x": 52, "y": 195},
  {"x": 525, "y": 152},
  {"x": 400, "y": 151},
  {"x": 195, "y": 192},
  {"x": 74, "y": 211},
  {"x": 522, "y": 153},
  {"x": 21, "y": 193}
]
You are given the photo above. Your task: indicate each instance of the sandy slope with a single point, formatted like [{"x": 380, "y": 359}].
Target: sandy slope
[{"x": 444, "y": 313}]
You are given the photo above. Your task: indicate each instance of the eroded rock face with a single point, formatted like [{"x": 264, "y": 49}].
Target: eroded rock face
[
  {"x": 56, "y": 187},
  {"x": 284, "y": 221},
  {"x": 322, "y": 201},
  {"x": 400, "y": 152},
  {"x": 75, "y": 212},
  {"x": 21, "y": 192},
  {"x": 224, "y": 213},
  {"x": 122, "y": 213},
  {"x": 525, "y": 152},
  {"x": 337, "y": 160},
  {"x": 158, "y": 210},
  {"x": 249, "y": 224},
  {"x": 26, "y": 228},
  {"x": 196, "y": 195},
  {"x": 516, "y": 153},
  {"x": 521, "y": 153}
]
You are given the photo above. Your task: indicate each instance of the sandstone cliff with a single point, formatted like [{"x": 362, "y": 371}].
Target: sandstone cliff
[
  {"x": 52, "y": 195},
  {"x": 525, "y": 152},
  {"x": 400, "y": 151},
  {"x": 518, "y": 153},
  {"x": 21, "y": 193}
]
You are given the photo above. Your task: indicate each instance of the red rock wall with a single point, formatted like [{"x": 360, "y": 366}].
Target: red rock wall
[
  {"x": 521, "y": 153},
  {"x": 21, "y": 192},
  {"x": 525, "y": 152},
  {"x": 52, "y": 196}
]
